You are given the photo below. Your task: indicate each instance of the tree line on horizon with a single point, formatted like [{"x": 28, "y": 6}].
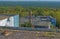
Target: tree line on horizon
[{"x": 37, "y": 11}]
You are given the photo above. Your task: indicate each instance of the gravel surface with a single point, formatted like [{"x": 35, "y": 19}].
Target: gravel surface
[{"x": 27, "y": 35}]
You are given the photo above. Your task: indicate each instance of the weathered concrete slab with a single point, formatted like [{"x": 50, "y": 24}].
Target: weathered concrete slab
[{"x": 22, "y": 34}]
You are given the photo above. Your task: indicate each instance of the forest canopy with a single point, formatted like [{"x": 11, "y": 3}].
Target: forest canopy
[{"x": 37, "y": 11}]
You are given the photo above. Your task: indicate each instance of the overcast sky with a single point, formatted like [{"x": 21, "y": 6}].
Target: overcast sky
[
  {"x": 50, "y": 0},
  {"x": 29, "y": 0}
]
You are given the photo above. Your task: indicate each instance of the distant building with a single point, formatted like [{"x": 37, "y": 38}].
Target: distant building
[
  {"x": 40, "y": 21},
  {"x": 9, "y": 20},
  {"x": 44, "y": 22}
]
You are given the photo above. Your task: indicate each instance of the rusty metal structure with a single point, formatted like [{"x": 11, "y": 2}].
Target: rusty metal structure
[{"x": 30, "y": 16}]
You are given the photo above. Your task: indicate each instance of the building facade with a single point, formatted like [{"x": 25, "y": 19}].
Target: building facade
[
  {"x": 44, "y": 22},
  {"x": 40, "y": 21}
]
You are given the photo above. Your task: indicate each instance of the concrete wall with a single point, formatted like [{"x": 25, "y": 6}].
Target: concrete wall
[
  {"x": 14, "y": 21},
  {"x": 4, "y": 22},
  {"x": 11, "y": 22}
]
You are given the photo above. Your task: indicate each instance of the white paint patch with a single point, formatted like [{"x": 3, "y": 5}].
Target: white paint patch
[
  {"x": 3, "y": 22},
  {"x": 8, "y": 24}
]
